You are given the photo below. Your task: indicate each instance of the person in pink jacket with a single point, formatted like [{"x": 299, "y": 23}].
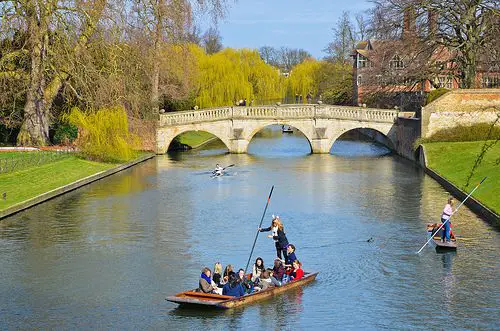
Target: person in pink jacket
[{"x": 445, "y": 218}]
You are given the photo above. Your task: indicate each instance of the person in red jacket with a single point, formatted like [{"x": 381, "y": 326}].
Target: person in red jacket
[{"x": 297, "y": 272}]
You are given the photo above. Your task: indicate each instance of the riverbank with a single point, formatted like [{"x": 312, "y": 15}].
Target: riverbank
[
  {"x": 30, "y": 186},
  {"x": 454, "y": 162}
]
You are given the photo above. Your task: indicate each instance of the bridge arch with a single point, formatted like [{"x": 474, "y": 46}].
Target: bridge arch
[
  {"x": 166, "y": 137},
  {"x": 381, "y": 135},
  {"x": 304, "y": 129},
  {"x": 322, "y": 125}
]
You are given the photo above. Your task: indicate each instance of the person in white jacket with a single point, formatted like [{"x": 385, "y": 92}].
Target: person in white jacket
[{"x": 445, "y": 218}]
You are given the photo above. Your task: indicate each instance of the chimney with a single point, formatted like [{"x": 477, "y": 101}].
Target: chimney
[
  {"x": 433, "y": 22},
  {"x": 409, "y": 22}
]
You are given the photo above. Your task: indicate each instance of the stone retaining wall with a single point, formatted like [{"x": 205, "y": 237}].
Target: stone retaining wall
[{"x": 460, "y": 107}]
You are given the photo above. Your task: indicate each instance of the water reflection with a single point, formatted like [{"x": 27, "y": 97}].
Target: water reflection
[
  {"x": 448, "y": 277},
  {"x": 106, "y": 255}
]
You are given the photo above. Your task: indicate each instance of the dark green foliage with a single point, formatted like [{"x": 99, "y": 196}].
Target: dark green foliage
[
  {"x": 434, "y": 94},
  {"x": 65, "y": 134},
  {"x": 340, "y": 97},
  {"x": 335, "y": 83},
  {"x": 8, "y": 135},
  {"x": 170, "y": 104}
]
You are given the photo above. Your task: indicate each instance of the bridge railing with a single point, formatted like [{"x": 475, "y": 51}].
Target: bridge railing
[
  {"x": 280, "y": 113},
  {"x": 196, "y": 116}
]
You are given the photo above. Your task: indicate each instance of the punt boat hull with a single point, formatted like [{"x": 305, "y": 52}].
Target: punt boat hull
[
  {"x": 192, "y": 298},
  {"x": 436, "y": 238}
]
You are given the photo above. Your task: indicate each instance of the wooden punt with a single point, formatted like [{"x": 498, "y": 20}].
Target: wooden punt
[
  {"x": 192, "y": 298},
  {"x": 286, "y": 129},
  {"x": 441, "y": 246}
]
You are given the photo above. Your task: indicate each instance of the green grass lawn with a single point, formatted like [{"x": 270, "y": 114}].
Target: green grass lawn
[
  {"x": 10, "y": 155},
  {"x": 194, "y": 138},
  {"x": 28, "y": 183},
  {"x": 455, "y": 160}
]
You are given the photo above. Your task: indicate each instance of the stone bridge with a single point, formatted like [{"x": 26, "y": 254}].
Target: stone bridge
[{"x": 321, "y": 125}]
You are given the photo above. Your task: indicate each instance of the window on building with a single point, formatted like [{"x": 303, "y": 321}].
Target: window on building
[
  {"x": 359, "y": 80},
  {"x": 363, "y": 62},
  {"x": 408, "y": 81},
  {"x": 397, "y": 62},
  {"x": 490, "y": 82},
  {"x": 445, "y": 81},
  {"x": 449, "y": 82}
]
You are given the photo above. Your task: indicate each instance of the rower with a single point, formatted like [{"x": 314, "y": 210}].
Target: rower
[{"x": 218, "y": 170}]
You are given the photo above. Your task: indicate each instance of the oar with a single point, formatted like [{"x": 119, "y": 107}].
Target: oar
[
  {"x": 229, "y": 166},
  {"x": 442, "y": 224},
  {"x": 260, "y": 225}
]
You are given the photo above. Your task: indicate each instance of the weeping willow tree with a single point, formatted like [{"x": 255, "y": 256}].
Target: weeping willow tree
[
  {"x": 103, "y": 135},
  {"x": 303, "y": 78},
  {"x": 231, "y": 75}
]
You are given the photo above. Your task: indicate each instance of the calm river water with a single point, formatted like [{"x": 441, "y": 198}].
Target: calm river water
[{"x": 107, "y": 255}]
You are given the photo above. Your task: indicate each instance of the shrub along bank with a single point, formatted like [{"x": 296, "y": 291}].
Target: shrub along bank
[{"x": 104, "y": 134}]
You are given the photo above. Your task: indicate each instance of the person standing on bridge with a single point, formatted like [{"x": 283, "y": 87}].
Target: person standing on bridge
[
  {"x": 309, "y": 98},
  {"x": 278, "y": 234}
]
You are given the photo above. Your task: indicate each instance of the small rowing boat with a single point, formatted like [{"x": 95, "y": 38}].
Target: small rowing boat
[
  {"x": 193, "y": 298},
  {"x": 436, "y": 237},
  {"x": 286, "y": 129}
]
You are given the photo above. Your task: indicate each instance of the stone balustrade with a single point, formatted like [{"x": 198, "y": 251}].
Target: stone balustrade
[{"x": 283, "y": 112}]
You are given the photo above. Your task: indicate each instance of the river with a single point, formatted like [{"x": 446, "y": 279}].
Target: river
[{"x": 106, "y": 256}]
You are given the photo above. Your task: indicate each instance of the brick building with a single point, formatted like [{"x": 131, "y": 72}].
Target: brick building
[{"x": 405, "y": 66}]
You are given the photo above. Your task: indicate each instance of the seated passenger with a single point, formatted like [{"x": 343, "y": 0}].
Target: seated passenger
[
  {"x": 257, "y": 269},
  {"x": 227, "y": 272},
  {"x": 278, "y": 270},
  {"x": 233, "y": 287},
  {"x": 290, "y": 250},
  {"x": 205, "y": 284},
  {"x": 297, "y": 272},
  {"x": 217, "y": 276},
  {"x": 267, "y": 279},
  {"x": 245, "y": 282}
]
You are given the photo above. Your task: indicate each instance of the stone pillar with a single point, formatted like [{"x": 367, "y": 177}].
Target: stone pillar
[
  {"x": 320, "y": 146},
  {"x": 238, "y": 146},
  {"x": 161, "y": 144}
]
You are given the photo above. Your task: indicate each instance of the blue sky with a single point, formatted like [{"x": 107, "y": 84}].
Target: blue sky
[{"x": 292, "y": 23}]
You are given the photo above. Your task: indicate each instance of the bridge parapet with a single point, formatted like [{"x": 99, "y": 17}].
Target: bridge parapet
[
  {"x": 277, "y": 112},
  {"x": 196, "y": 116},
  {"x": 356, "y": 113},
  {"x": 283, "y": 112}
]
